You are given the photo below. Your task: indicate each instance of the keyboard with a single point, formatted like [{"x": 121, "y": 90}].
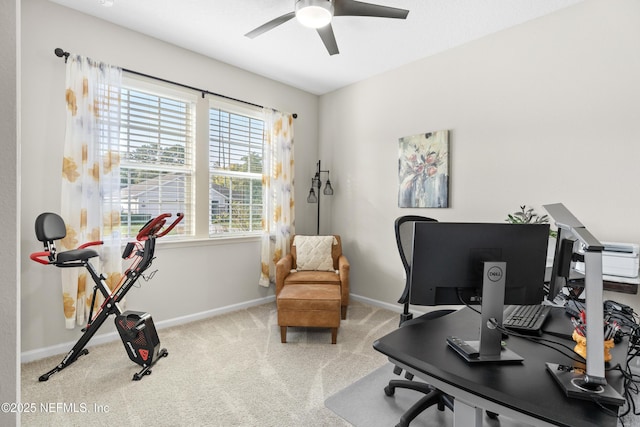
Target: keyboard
[{"x": 525, "y": 318}]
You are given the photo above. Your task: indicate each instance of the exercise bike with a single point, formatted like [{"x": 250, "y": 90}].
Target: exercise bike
[{"x": 136, "y": 329}]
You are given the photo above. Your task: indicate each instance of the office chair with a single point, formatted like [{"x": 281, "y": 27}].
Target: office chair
[{"x": 404, "y": 238}]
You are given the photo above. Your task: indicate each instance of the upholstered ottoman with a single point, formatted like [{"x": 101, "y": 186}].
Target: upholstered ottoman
[{"x": 312, "y": 305}]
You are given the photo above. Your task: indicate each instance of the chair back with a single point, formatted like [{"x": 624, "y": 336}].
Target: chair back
[
  {"x": 404, "y": 239},
  {"x": 336, "y": 251}
]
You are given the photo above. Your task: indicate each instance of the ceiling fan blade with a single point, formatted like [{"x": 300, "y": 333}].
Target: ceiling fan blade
[
  {"x": 358, "y": 8},
  {"x": 270, "y": 25},
  {"x": 329, "y": 39}
]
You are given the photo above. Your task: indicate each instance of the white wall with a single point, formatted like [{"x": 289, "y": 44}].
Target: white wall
[
  {"x": 541, "y": 113},
  {"x": 191, "y": 278},
  {"x": 9, "y": 209}
]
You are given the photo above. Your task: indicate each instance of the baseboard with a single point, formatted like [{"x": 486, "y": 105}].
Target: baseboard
[
  {"x": 376, "y": 303},
  {"x": 214, "y": 312},
  {"x": 58, "y": 349},
  {"x": 397, "y": 308}
]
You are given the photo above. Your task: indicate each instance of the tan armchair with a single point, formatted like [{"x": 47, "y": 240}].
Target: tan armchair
[{"x": 287, "y": 273}]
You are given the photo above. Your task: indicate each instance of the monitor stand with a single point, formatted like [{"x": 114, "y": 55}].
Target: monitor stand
[{"x": 489, "y": 348}]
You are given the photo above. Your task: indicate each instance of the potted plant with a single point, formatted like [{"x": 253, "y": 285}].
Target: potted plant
[{"x": 529, "y": 216}]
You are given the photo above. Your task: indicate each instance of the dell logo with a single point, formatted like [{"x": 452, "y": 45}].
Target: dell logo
[{"x": 494, "y": 274}]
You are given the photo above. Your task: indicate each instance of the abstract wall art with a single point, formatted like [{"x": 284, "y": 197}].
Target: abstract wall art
[{"x": 423, "y": 170}]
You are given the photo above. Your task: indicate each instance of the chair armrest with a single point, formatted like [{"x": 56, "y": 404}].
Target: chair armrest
[
  {"x": 343, "y": 271},
  {"x": 283, "y": 268}
]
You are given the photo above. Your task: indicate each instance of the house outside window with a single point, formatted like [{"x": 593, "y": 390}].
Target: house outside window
[
  {"x": 157, "y": 145},
  {"x": 236, "y": 139}
]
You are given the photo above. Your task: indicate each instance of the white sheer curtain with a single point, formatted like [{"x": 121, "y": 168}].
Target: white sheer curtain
[
  {"x": 91, "y": 178},
  {"x": 278, "y": 215}
]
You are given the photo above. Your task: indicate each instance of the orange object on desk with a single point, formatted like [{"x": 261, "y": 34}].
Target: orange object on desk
[{"x": 581, "y": 346}]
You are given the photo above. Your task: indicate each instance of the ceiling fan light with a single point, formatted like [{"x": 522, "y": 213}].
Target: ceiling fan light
[{"x": 314, "y": 13}]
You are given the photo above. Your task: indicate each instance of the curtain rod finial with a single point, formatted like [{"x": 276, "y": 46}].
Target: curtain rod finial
[{"x": 60, "y": 53}]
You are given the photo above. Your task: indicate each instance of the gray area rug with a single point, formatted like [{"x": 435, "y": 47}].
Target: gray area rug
[{"x": 364, "y": 404}]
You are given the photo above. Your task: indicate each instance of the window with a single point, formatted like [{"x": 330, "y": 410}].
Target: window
[
  {"x": 156, "y": 153},
  {"x": 159, "y": 146},
  {"x": 235, "y": 168}
]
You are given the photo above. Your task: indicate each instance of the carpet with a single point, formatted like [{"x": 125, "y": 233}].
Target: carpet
[{"x": 229, "y": 370}]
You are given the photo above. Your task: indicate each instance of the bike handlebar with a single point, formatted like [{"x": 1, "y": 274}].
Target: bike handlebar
[
  {"x": 154, "y": 228},
  {"x": 179, "y": 218}
]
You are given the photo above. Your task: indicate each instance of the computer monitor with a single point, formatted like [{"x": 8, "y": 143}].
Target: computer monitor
[
  {"x": 447, "y": 265},
  {"x": 562, "y": 269},
  {"x": 455, "y": 263}
]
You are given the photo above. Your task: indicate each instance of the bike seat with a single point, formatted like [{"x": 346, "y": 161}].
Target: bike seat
[{"x": 75, "y": 255}]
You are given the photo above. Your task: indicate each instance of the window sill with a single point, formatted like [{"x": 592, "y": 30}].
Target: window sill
[{"x": 207, "y": 241}]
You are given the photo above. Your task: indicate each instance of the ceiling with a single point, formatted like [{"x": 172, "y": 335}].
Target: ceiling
[{"x": 295, "y": 55}]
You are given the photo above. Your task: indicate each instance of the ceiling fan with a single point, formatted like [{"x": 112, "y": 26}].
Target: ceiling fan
[{"x": 318, "y": 14}]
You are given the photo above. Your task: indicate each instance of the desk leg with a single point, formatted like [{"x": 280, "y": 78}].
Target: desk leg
[{"x": 466, "y": 415}]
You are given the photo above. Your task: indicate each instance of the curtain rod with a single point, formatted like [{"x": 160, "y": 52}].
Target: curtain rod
[{"x": 61, "y": 53}]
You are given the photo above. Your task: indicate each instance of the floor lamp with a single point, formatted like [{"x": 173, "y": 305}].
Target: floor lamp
[{"x": 316, "y": 183}]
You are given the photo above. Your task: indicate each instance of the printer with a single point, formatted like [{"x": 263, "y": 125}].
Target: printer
[{"x": 619, "y": 262}]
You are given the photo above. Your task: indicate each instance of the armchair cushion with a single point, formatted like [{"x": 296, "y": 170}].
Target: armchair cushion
[
  {"x": 305, "y": 277},
  {"x": 313, "y": 253}
]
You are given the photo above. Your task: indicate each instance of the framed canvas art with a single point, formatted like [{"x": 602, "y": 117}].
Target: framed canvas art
[{"x": 423, "y": 170}]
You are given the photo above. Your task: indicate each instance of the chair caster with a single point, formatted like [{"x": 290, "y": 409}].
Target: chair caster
[{"x": 389, "y": 391}]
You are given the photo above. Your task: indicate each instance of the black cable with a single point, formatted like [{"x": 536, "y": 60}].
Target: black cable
[
  {"x": 631, "y": 381},
  {"x": 628, "y": 319},
  {"x": 541, "y": 341},
  {"x": 459, "y": 293}
]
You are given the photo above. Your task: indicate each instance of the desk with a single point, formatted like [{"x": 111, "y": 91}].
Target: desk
[{"x": 523, "y": 391}]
